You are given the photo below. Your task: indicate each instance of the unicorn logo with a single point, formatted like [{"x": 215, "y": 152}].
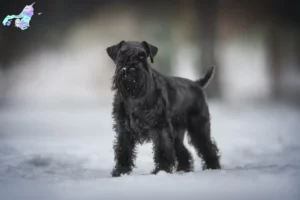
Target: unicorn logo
[{"x": 23, "y": 19}]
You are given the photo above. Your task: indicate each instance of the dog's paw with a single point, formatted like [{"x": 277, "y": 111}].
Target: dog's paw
[
  {"x": 184, "y": 169},
  {"x": 157, "y": 170},
  {"x": 117, "y": 172}
]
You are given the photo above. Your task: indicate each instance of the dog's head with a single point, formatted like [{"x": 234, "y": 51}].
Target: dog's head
[{"x": 132, "y": 69}]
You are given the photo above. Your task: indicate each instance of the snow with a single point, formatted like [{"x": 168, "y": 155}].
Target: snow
[{"x": 67, "y": 154}]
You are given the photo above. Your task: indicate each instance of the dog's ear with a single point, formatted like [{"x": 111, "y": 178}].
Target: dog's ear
[
  {"x": 112, "y": 51},
  {"x": 150, "y": 49}
]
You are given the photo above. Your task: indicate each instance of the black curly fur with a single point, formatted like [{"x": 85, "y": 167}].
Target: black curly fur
[{"x": 149, "y": 106}]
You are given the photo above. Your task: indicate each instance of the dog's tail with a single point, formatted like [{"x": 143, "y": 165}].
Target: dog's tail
[{"x": 203, "y": 82}]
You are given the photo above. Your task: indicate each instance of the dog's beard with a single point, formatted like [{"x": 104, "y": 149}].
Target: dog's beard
[{"x": 130, "y": 84}]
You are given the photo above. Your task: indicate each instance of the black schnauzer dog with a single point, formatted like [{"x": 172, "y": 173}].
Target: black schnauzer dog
[{"x": 149, "y": 106}]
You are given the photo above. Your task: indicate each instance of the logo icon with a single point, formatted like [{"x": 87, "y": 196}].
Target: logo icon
[{"x": 23, "y": 19}]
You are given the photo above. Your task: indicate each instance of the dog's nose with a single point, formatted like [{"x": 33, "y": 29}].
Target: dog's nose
[{"x": 131, "y": 70}]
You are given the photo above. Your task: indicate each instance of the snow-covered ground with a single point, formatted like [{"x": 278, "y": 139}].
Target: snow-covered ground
[{"x": 67, "y": 154}]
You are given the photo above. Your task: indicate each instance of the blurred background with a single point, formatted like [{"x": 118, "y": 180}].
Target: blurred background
[
  {"x": 61, "y": 59},
  {"x": 55, "y": 78}
]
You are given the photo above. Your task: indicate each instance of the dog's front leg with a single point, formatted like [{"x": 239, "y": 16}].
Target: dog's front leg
[
  {"x": 125, "y": 154},
  {"x": 163, "y": 149}
]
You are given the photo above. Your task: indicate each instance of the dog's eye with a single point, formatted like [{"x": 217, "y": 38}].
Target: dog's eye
[{"x": 142, "y": 57}]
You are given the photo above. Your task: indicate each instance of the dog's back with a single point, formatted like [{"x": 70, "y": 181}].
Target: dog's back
[{"x": 184, "y": 95}]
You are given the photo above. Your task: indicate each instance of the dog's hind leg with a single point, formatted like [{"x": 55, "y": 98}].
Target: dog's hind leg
[
  {"x": 199, "y": 131},
  {"x": 184, "y": 157},
  {"x": 164, "y": 152}
]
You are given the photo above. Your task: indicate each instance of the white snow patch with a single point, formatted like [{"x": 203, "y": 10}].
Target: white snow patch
[{"x": 67, "y": 154}]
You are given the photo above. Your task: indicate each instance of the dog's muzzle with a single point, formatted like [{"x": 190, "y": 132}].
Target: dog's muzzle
[
  {"x": 128, "y": 70},
  {"x": 128, "y": 82},
  {"x": 129, "y": 73}
]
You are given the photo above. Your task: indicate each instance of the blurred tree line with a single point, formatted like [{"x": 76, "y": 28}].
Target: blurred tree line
[{"x": 199, "y": 20}]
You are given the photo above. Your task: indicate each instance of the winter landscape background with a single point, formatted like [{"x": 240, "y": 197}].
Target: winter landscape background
[{"x": 55, "y": 100}]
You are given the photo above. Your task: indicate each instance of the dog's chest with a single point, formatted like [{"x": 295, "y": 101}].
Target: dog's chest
[{"x": 142, "y": 117}]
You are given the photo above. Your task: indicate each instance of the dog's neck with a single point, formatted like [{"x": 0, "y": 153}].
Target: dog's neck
[
  {"x": 147, "y": 93},
  {"x": 145, "y": 99}
]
